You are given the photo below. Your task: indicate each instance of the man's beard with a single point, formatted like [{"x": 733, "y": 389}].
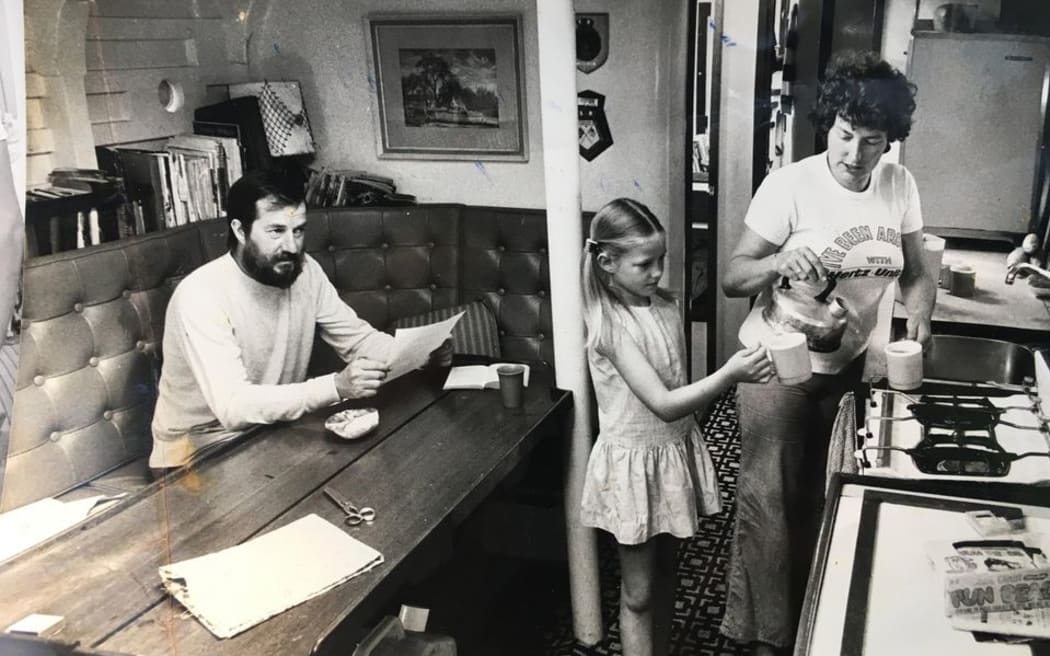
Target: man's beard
[{"x": 262, "y": 268}]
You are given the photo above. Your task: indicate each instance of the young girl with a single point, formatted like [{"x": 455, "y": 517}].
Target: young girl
[{"x": 649, "y": 475}]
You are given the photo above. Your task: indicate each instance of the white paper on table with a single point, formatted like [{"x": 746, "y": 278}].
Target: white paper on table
[
  {"x": 412, "y": 346},
  {"x": 33, "y": 523},
  {"x": 236, "y": 588}
]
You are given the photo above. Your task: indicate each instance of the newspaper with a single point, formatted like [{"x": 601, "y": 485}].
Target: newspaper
[
  {"x": 986, "y": 555},
  {"x": 1013, "y": 601}
]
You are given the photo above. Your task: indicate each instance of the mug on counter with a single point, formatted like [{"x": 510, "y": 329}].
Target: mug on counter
[
  {"x": 963, "y": 280},
  {"x": 904, "y": 364}
]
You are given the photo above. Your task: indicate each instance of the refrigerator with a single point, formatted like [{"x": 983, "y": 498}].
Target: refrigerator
[{"x": 976, "y": 144}]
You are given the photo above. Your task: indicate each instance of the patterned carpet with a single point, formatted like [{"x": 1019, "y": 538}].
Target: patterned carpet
[{"x": 703, "y": 562}]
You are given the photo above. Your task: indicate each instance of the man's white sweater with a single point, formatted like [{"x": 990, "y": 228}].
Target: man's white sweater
[{"x": 236, "y": 353}]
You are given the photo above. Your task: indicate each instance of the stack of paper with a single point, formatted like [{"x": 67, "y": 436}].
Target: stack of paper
[
  {"x": 236, "y": 588},
  {"x": 31, "y": 524}
]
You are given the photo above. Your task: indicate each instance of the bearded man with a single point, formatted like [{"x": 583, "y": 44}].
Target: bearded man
[{"x": 239, "y": 330}]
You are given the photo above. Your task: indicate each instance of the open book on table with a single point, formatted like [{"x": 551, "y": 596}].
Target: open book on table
[{"x": 479, "y": 376}]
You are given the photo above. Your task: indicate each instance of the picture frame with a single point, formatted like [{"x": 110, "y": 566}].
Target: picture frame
[{"x": 449, "y": 86}]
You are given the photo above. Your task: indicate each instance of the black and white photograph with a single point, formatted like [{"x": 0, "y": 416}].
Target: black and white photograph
[{"x": 525, "y": 328}]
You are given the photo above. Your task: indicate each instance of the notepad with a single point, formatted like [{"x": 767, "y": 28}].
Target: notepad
[
  {"x": 236, "y": 588},
  {"x": 33, "y": 523},
  {"x": 479, "y": 376}
]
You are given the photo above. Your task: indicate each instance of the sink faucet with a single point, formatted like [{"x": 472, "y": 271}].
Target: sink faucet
[{"x": 1014, "y": 269}]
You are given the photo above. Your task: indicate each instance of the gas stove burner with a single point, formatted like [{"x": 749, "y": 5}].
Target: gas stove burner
[
  {"x": 949, "y": 458},
  {"x": 961, "y": 413},
  {"x": 956, "y": 414},
  {"x": 957, "y": 434}
]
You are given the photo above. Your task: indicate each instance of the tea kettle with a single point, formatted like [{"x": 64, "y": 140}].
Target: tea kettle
[{"x": 797, "y": 309}]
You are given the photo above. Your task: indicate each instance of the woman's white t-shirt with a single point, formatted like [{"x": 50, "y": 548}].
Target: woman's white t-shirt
[{"x": 856, "y": 235}]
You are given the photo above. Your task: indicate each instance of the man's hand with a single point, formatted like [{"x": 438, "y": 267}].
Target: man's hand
[
  {"x": 361, "y": 378},
  {"x": 442, "y": 355}
]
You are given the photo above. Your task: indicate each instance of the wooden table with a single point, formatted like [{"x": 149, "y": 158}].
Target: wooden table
[{"x": 434, "y": 457}]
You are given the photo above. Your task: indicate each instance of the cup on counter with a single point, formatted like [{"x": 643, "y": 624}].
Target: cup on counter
[
  {"x": 904, "y": 364},
  {"x": 963, "y": 280},
  {"x": 933, "y": 249},
  {"x": 511, "y": 384},
  {"x": 790, "y": 354},
  {"x": 945, "y": 279}
]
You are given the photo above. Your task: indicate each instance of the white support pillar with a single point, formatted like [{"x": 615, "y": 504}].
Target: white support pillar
[
  {"x": 736, "y": 139},
  {"x": 556, "y": 25}
]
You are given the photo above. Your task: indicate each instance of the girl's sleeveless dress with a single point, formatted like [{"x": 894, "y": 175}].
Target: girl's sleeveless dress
[{"x": 646, "y": 476}]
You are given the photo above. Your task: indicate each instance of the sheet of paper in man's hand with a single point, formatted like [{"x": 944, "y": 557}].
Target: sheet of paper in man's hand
[{"x": 412, "y": 346}]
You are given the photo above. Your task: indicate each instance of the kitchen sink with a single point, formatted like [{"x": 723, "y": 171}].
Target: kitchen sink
[{"x": 962, "y": 359}]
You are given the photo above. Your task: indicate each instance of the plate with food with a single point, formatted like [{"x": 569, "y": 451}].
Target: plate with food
[{"x": 353, "y": 423}]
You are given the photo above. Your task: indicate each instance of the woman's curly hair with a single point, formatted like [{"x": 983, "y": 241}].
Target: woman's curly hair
[{"x": 868, "y": 92}]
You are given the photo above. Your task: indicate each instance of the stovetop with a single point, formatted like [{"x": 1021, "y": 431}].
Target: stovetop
[{"x": 955, "y": 436}]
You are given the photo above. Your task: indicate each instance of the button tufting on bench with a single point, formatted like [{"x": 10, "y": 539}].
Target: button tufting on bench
[
  {"x": 501, "y": 291},
  {"x": 541, "y": 293},
  {"x": 38, "y": 381},
  {"x": 78, "y": 307},
  {"x": 140, "y": 345},
  {"x": 126, "y": 293},
  {"x": 433, "y": 286},
  {"x": 107, "y": 415},
  {"x": 331, "y": 248},
  {"x": 93, "y": 361},
  {"x": 387, "y": 287},
  {"x": 55, "y": 436}
]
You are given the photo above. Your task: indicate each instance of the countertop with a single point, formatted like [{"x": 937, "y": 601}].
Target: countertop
[{"x": 994, "y": 303}]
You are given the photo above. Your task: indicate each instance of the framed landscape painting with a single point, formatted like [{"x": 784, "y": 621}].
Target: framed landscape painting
[{"x": 449, "y": 87}]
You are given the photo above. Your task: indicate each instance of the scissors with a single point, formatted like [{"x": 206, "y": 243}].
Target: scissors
[{"x": 354, "y": 515}]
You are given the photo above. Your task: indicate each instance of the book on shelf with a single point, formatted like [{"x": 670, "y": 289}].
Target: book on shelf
[
  {"x": 78, "y": 207},
  {"x": 144, "y": 179},
  {"x": 229, "y": 135},
  {"x": 478, "y": 376},
  {"x": 202, "y": 169},
  {"x": 352, "y": 188},
  {"x": 239, "y": 118}
]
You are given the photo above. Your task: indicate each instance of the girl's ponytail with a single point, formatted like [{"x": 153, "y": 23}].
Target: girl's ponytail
[{"x": 615, "y": 227}]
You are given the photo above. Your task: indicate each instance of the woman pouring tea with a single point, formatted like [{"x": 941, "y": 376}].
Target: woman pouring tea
[{"x": 823, "y": 239}]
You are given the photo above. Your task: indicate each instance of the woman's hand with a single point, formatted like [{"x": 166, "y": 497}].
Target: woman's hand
[
  {"x": 799, "y": 264},
  {"x": 918, "y": 329}
]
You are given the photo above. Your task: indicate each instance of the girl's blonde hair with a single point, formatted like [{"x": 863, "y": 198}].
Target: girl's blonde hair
[{"x": 616, "y": 228}]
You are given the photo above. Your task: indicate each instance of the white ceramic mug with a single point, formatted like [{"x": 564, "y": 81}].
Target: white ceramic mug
[
  {"x": 933, "y": 249},
  {"x": 904, "y": 364},
  {"x": 790, "y": 356}
]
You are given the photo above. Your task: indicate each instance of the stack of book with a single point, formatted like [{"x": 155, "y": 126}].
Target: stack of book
[
  {"x": 333, "y": 188},
  {"x": 78, "y": 207},
  {"x": 184, "y": 182}
]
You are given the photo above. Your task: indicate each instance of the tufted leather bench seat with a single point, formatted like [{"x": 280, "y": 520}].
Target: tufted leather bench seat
[{"x": 93, "y": 322}]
